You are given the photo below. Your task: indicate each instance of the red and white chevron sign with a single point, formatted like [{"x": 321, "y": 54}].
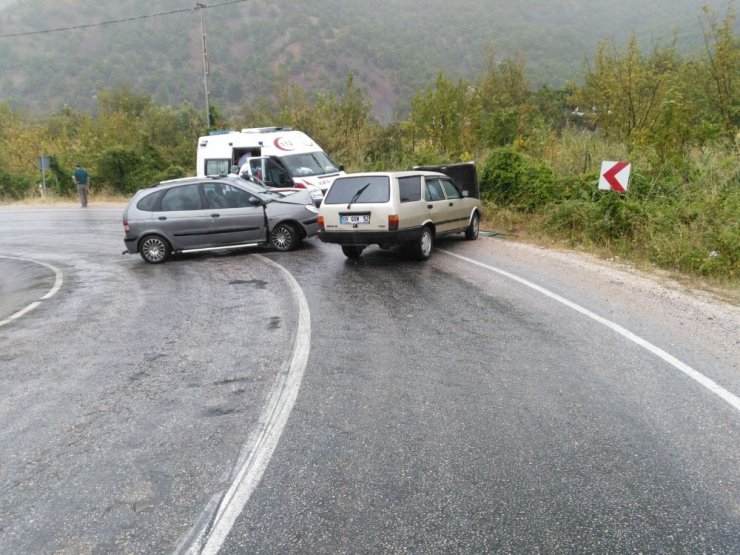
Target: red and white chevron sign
[{"x": 615, "y": 176}]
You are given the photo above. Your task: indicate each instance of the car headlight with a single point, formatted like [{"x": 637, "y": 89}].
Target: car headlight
[{"x": 312, "y": 208}]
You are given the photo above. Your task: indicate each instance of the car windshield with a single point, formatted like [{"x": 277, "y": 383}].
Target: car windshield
[
  {"x": 310, "y": 163},
  {"x": 359, "y": 190}
]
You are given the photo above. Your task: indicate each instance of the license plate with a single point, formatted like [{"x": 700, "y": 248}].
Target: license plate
[{"x": 355, "y": 219}]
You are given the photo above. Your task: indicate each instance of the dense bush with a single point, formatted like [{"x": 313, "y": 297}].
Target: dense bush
[
  {"x": 14, "y": 186},
  {"x": 510, "y": 178}
]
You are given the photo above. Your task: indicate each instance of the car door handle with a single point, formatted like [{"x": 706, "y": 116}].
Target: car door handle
[
  {"x": 452, "y": 204},
  {"x": 215, "y": 215},
  {"x": 430, "y": 206},
  {"x": 163, "y": 218}
]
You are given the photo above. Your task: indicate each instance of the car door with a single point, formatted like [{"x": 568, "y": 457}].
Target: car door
[
  {"x": 456, "y": 205},
  {"x": 437, "y": 204},
  {"x": 236, "y": 215},
  {"x": 270, "y": 172},
  {"x": 411, "y": 202},
  {"x": 182, "y": 217}
]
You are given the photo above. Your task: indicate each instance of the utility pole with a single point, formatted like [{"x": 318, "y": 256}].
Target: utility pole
[{"x": 201, "y": 7}]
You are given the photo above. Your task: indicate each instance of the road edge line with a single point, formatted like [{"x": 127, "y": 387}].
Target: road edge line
[
  {"x": 266, "y": 436},
  {"x": 58, "y": 281},
  {"x": 727, "y": 396}
]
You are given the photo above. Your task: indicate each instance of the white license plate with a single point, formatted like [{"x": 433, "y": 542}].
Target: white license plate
[{"x": 355, "y": 219}]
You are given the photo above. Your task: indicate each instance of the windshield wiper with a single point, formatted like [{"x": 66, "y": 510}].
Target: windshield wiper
[{"x": 357, "y": 194}]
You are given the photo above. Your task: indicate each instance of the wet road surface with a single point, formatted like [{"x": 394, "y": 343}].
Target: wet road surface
[{"x": 443, "y": 408}]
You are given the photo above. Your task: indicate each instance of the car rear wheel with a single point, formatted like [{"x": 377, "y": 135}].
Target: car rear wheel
[
  {"x": 352, "y": 252},
  {"x": 421, "y": 248},
  {"x": 155, "y": 249},
  {"x": 284, "y": 237},
  {"x": 471, "y": 232}
]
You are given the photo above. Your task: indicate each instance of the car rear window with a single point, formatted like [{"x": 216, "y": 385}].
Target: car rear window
[{"x": 359, "y": 190}]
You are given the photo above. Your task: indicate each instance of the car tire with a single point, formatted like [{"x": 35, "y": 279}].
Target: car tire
[
  {"x": 351, "y": 251},
  {"x": 285, "y": 237},
  {"x": 471, "y": 233},
  {"x": 421, "y": 248},
  {"x": 155, "y": 249}
]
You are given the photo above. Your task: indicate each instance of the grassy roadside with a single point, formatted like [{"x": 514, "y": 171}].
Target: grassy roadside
[{"x": 531, "y": 228}]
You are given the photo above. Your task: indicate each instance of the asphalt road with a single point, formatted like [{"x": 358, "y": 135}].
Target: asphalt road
[{"x": 262, "y": 402}]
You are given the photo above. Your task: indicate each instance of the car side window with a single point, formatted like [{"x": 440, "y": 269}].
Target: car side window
[
  {"x": 215, "y": 195},
  {"x": 236, "y": 197},
  {"x": 185, "y": 197},
  {"x": 409, "y": 188},
  {"x": 275, "y": 175},
  {"x": 433, "y": 190},
  {"x": 451, "y": 189}
]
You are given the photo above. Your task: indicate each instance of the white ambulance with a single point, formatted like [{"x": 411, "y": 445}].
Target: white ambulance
[{"x": 279, "y": 156}]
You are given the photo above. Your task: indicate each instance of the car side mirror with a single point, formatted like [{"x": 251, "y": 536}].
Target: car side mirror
[
  {"x": 254, "y": 201},
  {"x": 341, "y": 167},
  {"x": 466, "y": 194}
]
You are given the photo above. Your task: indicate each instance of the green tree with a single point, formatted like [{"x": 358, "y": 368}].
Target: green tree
[
  {"x": 722, "y": 73},
  {"x": 504, "y": 97},
  {"x": 347, "y": 126},
  {"x": 124, "y": 100},
  {"x": 640, "y": 100},
  {"x": 444, "y": 117}
]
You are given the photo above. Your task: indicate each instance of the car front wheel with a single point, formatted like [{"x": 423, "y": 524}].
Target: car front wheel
[
  {"x": 154, "y": 249},
  {"x": 284, "y": 237}
]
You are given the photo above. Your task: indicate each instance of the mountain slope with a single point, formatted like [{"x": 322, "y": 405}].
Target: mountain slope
[{"x": 393, "y": 47}]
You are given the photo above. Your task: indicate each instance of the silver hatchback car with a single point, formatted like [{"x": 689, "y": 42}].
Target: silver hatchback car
[{"x": 202, "y": 213}]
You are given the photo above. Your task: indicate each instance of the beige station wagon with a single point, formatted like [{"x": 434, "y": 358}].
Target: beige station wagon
[{"x": 409, "y": 208}]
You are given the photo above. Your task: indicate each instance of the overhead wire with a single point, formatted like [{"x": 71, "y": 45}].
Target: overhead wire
[{"x": 198, "y": 6}]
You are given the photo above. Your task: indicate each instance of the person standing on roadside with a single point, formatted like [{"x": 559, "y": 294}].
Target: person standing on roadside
[{"x": 82, "y": 180}]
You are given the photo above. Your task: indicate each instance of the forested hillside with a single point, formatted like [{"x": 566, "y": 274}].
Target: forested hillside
[{"x": 392, "y": 47}]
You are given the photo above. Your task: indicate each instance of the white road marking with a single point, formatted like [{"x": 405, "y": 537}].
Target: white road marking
[
  {"x": 57, "y": 285},
  {"x": 263, "y": 440},
  {"x": 711, "y": 385}
]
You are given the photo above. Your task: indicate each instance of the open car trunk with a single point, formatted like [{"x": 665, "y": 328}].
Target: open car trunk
[{"x": 464, "y": 175}]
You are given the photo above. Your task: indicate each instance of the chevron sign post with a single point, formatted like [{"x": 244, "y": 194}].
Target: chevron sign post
[{"x": 615, "y": 176}]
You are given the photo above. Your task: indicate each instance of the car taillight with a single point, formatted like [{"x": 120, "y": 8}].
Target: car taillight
[
  {"x": 393, "y": 222},
  {"x": 125, "y": 226},
  {"x": 321, "y": 223},
  {"x": 300, "y": 185}
]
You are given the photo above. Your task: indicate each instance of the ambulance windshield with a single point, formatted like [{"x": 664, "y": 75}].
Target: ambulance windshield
[{"x": 311, "y": 163}]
